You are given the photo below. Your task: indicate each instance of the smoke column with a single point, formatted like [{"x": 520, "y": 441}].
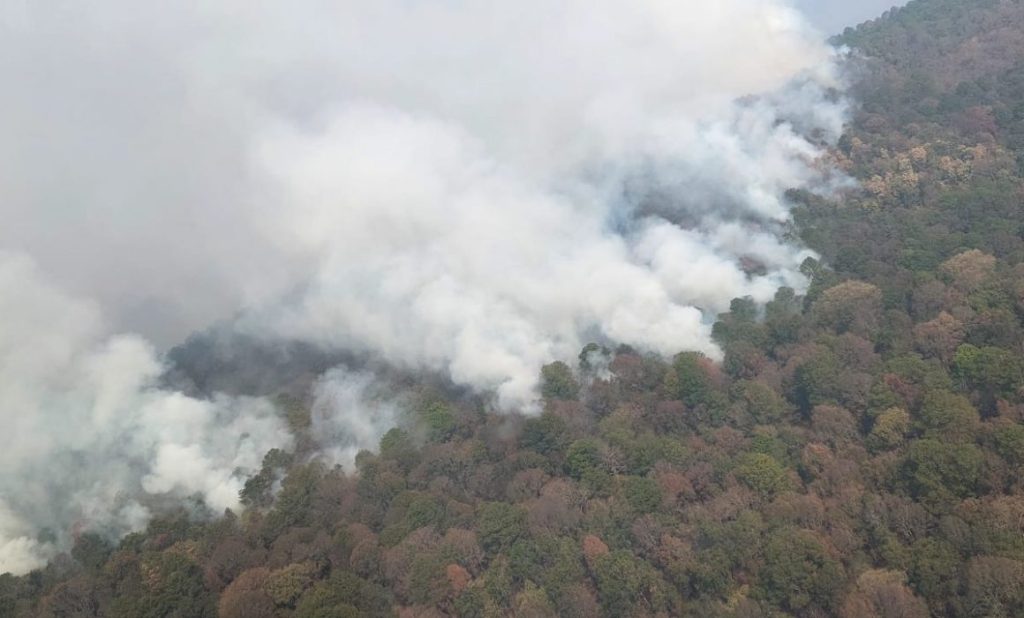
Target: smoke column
[{"x": 470, "y": 188}]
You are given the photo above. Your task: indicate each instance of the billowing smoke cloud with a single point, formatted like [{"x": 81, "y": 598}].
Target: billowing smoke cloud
[
  {"x": 471, "y": 188},
  {"x": 89, "y": 442},
  {"x": 127, "y": 168},
  {"x": 499, "y": 183}
]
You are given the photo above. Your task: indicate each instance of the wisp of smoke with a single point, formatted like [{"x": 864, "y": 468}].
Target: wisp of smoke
[
  {"x": 351, "y": 414},
  {"x": 471, "y": 188}
]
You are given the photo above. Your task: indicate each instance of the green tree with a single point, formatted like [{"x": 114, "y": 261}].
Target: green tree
[
  {"x": 852, "y": 306},
  {"x": 934, "y": 569},
  {"x": 344, "y": 595},
  {"x": 740, "y": 324},
  {"x": 499, "y": 525},
  {"x": 625, "y": 582},
  {"x": 642, "y": 493},
  {"x": 439, "y": 421},
  {"x": 947, "y": 416},
  {"x": 798, "y": 574},
  {"x": 1009, "y": 442},
  {"x": 816, "y": 381},
  {"x": 295, "y": 501},
  {"x": 173, "y": 588},
  {"x": 890, "y": 430},
  {"x": 257, "y": 490},
  {"x": 941, "y": 472},
  {"x": 762, "y": 473},
  {"x": 557, "y": 381},
  {"x": 545, "y": 434},
  {"x": 993, "y": 372},
  {"x": 397, "y": 445},
  {"x": 757, "y": 403},
  {"x": 91, "y": 551},
  {"x": 585, "y": 463},
  {"x": 693, "y": 383}
]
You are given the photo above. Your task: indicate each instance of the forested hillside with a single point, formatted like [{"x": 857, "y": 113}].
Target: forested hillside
[{"x": 858, "y": 453}]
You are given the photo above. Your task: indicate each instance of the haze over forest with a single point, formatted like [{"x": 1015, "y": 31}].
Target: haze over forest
[
  {"x": 435, "y": 308},
  {"x": 410, "y": 182}
]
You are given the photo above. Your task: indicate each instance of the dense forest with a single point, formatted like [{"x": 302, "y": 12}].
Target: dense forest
[{"x": 858, "y": 453}]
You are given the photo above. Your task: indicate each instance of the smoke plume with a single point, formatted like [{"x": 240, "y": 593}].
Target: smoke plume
[
  {"x": 547, "y": 176},
  {"x": 90, "y": 443},
  {"x": 474, "y": 189}
]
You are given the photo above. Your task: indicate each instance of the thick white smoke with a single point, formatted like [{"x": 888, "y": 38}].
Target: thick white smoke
[
  {"x": 435, "y": 256},
  {"x": 471, "y": 187},
  {"x": 89, "y": 442},
  {"x": 497, "y": 182}
]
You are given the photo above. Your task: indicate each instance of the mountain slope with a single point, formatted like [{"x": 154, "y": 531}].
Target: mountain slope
[{"x": 858, "y": 453}]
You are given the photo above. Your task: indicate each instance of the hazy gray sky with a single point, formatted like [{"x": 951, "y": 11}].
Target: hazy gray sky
[{"x": 832, "y": 16}]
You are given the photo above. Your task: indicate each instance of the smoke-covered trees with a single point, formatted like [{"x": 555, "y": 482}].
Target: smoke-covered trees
[
  {"x": 668, "y": 488},
  {"x": 858, "y": 451}
]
